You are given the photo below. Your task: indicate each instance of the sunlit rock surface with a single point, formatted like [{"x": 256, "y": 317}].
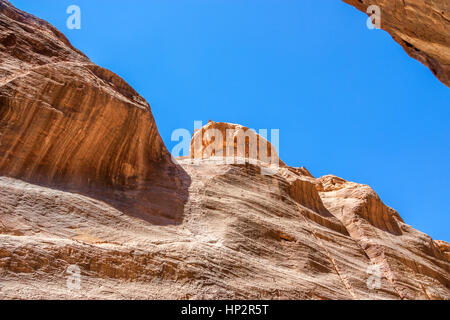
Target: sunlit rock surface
[
  {"x": 86, "y": 181},
  {"x": 421, "y": 27}
]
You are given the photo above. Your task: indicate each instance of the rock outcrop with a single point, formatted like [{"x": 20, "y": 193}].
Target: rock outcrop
[
  {"x": 86, "y": 184},
  {"x": 421, "y": 27},
  {"x": 233, "y": 143},
  {"x": 67, "y": 122}
]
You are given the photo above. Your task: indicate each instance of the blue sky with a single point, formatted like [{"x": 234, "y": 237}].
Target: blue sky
[{"x": 347, "y": 100}]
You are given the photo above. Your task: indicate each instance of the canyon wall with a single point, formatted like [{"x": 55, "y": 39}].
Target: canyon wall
[
  {"x": 421, "y": 27},
  {"x": 86, "y": 184},
  {"x": 67, "y": 122}
]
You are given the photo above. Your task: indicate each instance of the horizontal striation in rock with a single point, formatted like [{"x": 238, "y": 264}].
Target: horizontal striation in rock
[{"x": 85, "y": 180}]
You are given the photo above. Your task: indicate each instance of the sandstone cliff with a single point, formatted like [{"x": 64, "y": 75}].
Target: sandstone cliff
[
  {"x": 421, "y": 27},
  {"x": 69, "y": 123},
  {"x": 86, "y": 181}
]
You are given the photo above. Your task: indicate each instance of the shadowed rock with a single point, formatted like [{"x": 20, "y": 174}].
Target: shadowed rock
[{"x": 68, "y": 123}]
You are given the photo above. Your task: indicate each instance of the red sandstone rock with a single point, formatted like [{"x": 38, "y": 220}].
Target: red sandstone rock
[
  {"x": 85, "y": 180},
  {"x": 421, "y": 27},
  {"x": 67, "y": 122}
]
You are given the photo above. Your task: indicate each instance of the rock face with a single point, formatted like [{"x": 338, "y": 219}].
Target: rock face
[
  {"x": 421, "y": 27},
  {"x": 67, "y": 122},
  {"x": 86, "y": 183},
  {"x": 233, "y": 143}
]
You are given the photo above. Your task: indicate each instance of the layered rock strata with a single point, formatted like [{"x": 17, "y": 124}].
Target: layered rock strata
[
  {"x": 86, "y": 184},
  {"x": 421, "y": 27}
]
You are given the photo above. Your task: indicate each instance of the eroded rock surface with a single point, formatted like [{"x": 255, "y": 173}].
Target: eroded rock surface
[
  {"x": 68, "y": 123},
  {"x": 421, "y": 27},
  {"x": 85, "y": 181},
  {"x": 233, "y": 142}
]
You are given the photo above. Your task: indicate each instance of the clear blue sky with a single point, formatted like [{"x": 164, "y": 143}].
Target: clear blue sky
[{"x": 348, "y": 101}]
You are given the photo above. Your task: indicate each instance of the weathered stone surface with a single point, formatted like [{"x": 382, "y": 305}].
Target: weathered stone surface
[
  {"x": 421, "y": 27},
  {"x": 85, "y": 180},
  {"x": 232, "y": 141},
  {"x": 66, "y": 122},
  {"x": 409, "y": 259}
]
